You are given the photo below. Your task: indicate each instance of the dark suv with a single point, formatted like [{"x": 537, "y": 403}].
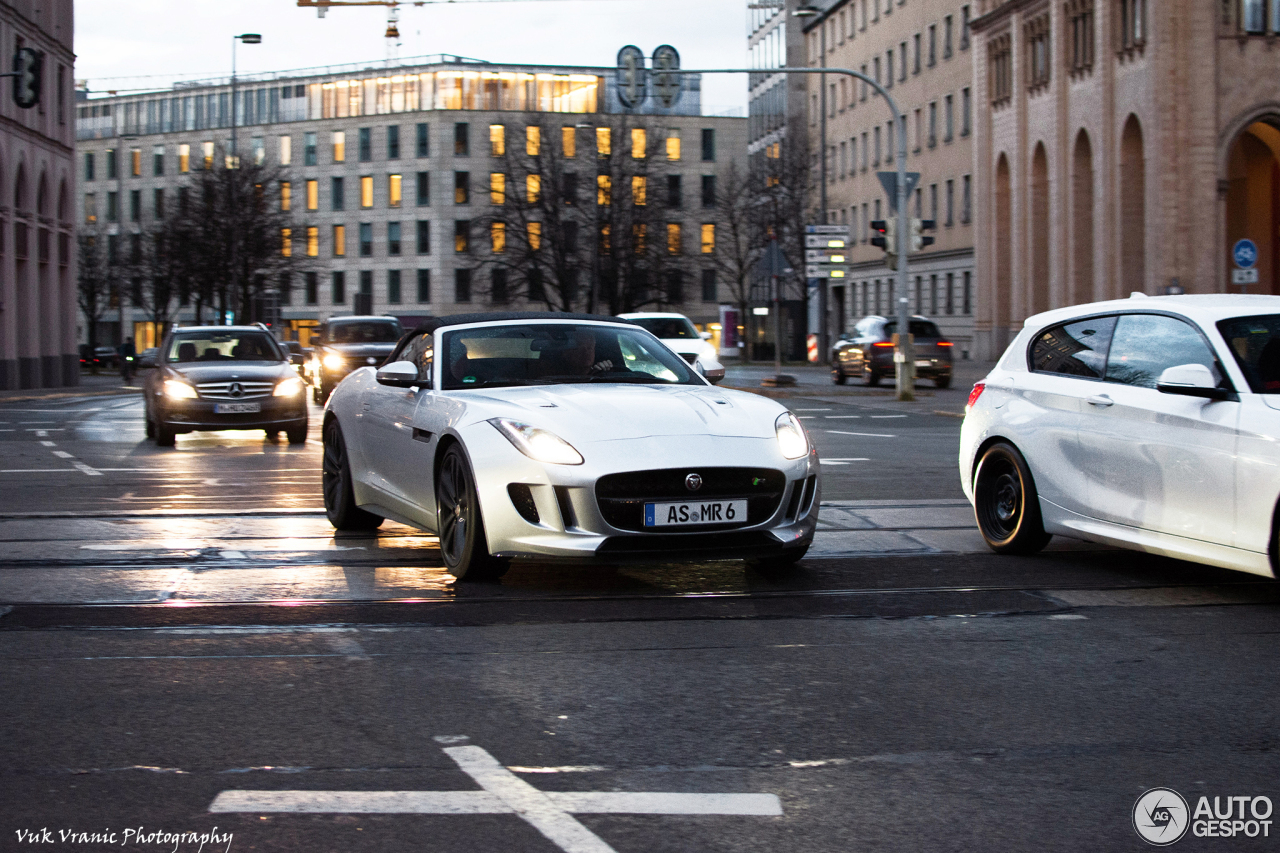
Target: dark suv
[
  {"x": 869, "y": 352},
  {"x": 223, "y": 377},
  {"x": 342, "y": 344}
]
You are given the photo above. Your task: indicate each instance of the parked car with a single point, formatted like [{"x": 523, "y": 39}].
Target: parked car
[
  {"x": 550, "y": 436},
  {"x": 98, "y": 357},
  {"x": 1148, "y": 423},
  {"x": 868, "y": 353},
  {"x": 222, "y": 377},
  {"x": 342, "y": 344},
  {"x": 684, "y": 339}
]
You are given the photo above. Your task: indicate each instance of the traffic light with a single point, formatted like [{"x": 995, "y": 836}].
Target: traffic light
[
  {"x": 918, "y": 238},
  {"x": 886, "y": 237},
  {"x": 27, "y": 77}
]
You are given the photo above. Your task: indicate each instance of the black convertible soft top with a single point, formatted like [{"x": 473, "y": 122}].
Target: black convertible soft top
[{"x": 433, "y": 323}]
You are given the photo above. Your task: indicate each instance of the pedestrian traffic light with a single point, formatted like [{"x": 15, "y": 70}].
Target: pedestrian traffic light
[
  {"x": 885, "y": 233},
  {"x": 27, "y": 67},
  {"x": 918, "y": 238}
]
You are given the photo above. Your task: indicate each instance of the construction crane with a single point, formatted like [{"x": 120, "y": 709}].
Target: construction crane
[{"x": 393, "y": 14}]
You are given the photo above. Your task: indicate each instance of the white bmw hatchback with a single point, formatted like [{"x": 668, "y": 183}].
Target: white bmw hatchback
[{"x": 1147, "y": 423}]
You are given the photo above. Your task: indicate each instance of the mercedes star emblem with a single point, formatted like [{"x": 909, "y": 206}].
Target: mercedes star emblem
[{"x": 234, "y": 390}]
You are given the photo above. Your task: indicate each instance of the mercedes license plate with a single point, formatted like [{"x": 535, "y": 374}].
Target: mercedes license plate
[
  {"x": 697, "y": 512},
  {"x": 923, "y": 362},
  {"x": 236, "y": 408}
]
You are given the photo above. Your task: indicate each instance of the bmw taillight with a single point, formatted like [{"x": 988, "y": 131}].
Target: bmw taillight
[{"x": 978, "y": 388}]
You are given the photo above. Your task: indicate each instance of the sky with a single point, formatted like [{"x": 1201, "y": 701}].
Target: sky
[{"x": 148, "y": 44}]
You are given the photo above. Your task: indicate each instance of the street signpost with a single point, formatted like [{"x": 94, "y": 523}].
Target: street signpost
[
  {"x": 1245, "y": 256},
  {"x": 825, "y": 251}
]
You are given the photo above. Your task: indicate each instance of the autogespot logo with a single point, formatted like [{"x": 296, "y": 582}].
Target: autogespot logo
[{"x": 1160, "y": 816}]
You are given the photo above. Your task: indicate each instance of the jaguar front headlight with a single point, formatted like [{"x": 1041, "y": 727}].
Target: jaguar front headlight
[
  {"x": 538, "y": 444},
  {"x": 791, "y": 436},
  {"x": 290, "y": 387},
  {"x": 175, "y": 390}
]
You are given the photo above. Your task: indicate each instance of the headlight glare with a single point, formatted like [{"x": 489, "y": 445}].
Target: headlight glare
[
  {"x": 175, "y": 390},
  {"x": 791, "y": 436},
  {"x": 538, "y": 444},
  {"x": 290, "y": 387},
  {"x": 333, "y": 361}
]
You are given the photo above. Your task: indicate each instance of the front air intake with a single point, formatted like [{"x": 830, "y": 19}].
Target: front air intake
[{"x": 522, "y": 499}]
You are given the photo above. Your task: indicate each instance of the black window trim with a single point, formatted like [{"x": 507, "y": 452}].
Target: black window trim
[{"x": 1226, "y": 382}]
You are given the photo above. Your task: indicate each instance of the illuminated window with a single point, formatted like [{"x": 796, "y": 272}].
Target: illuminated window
[
  {"x": 498, "y": 237},
  {"x": 313, "y": 241},
  {"x": 569, "y": 142},
  {"x": 604, "y": 189},
  {"x": 90, "y": 208},
  {"x": 366, "y": 191},
  {"x": 394, "y": 183},
  {"x": 708, "y": 238},
  {"x": 638, "y": 234},
  {"x": 339, "y": 241},
  {"x": 497, "y": 140},
  {"x": 339, "y": 146},
  {"x": 313, "y": 194},
  {"x": 206, "y": 154},
  {"x": 497, "y": 188},
  {"x": 604, "y": 239},
  {"x": 532, "y": 188},
  {"x": 286, "y": 242},
  {"x": 286, "y": 201},
  {"x": 673, "y": 238},
  {"x": 532, "y": 140},
  {"x": 638, "y": 189},
  {"x": 535, "y": 236},
  {"x": 285, "y": 144},
  {"x": 638, "y": 144},
  {"x": 135, "y": 160},
  {"x": 673, "y": 144},
  {"x": 184, "y": 158},
  {"x": 604, "y": 141},
  {"x": 461, "y": 187},
  {"x": 259, "y": 149}
]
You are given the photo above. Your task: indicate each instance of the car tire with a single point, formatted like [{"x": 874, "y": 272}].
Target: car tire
[
  {"x": 339, "y": 497},
  {"x": 872, "y": 377},
  {"x": 1005, "y": 502},
  {"x": 322, "y": 394},
  {"x": 942, "y": 381},
  {"x": 297, "y": 435},
  {"x": 460, "y": 522},
  {"x": 837, "y": 375},
  {"x": 150, "y": 425},
  {"x": 164, "y": 435}
]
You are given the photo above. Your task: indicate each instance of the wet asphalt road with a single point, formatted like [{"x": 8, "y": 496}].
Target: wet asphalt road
[{"x": 940, "y": 699}]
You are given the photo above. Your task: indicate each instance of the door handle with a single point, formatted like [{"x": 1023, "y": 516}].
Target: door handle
[{"x": 1100, "y": 400}]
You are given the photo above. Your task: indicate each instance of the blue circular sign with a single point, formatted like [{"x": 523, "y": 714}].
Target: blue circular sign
[{"x": 1245, "y": 254}]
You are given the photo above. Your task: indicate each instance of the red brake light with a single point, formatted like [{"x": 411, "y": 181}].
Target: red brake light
[
  {"x": 883, "y": 344},
  {"x": 945, "y": 344},
  {"x": 978, "y": 388}
]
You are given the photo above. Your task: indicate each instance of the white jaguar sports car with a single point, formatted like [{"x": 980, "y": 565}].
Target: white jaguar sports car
[{"x": 564, "y": 437}]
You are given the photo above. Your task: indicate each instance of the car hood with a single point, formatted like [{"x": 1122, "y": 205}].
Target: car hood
[
  {"x": 696, "y": 346},
  {"x": 583, "y": 414},
  {"x": 226, "y": 371}
]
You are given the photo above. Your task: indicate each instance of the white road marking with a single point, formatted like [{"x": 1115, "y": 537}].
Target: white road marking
[
  {"x": 232, "y": 555},
  {"x": 810, "y": 410},
  {"x": 841, "y": 417},
  {"x": 92, "y": 472},
  {"x": 882, "y": 417},
  {"x": 62, "y": 454},
  {"x": 49, "y": 443},
  {"x": 504, "y": 793},
  {"x": 844, "y": 461},
  {"x": 864, "y": 434},
  {"x": 1068, "y": 616},
  {"x": 347, "y": 645},
  {"x": 40, "y": 433}
]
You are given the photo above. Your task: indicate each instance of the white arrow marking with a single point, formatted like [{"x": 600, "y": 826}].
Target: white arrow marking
[{"x": 504, "y": 793}]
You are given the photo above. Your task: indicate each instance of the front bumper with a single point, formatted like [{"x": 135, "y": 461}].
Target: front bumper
[{"x": 198, "y": 414}]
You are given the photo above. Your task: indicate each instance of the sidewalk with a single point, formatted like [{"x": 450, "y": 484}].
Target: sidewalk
[{"x": 105, "y": 384}]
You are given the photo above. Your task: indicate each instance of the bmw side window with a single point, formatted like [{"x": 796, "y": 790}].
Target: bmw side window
[
  {"x": 1074, "y": 349},
  {"x": 1255, "y": 343},
  {"x": 1144, "y": 345}
]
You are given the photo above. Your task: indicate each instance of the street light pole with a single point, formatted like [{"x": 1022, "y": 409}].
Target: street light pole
[{"x": 234, "y": 163}]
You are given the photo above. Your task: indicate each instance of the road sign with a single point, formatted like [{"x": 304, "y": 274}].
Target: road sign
[
  {"x": 1245, "y": 254},
  {"x": 827, "y": 229},
  {"x": 1249, "y": 276},
  {"x": 667, "y": 80},
  {"x": 889, "y": 180},
  {"x": 632, "y": 76}
]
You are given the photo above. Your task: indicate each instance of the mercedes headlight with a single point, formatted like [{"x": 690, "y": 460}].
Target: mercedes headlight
[
  {"x": 175, "y": 390},
  {"x": 290, "y": 387},
  {"x": 791, "y": 437},
  {"x": 334, "y": 361},
  {"x": 537, "y": 443}
]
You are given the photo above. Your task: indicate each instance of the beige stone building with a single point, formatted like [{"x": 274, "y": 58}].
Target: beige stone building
[
  {"x": 1121, "y": 145},
  {"x": 921, "y": 51}
]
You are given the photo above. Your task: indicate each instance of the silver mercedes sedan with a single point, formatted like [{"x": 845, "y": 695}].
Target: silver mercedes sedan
[{"x": 565, "y": 437}]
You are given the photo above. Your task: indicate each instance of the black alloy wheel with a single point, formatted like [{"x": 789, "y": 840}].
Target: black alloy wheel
[
  {"x": 164, "y": 435},
  {"x": 1006, "y": 504},
  {"x": 837, "y": 375},
  {"x": 460, "y": 523},
  {"x": 339, "y": 498}
]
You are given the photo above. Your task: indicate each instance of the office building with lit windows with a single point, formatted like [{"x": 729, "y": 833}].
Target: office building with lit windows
[{"x": 386, "y": 166}]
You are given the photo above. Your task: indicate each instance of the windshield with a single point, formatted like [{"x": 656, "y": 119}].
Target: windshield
[
  {"x": 365, "y": 332},
  {"x": 211, "y": 345},
  {"x": 919, "y": 328},
  {"x": 667, "y": 327},
  {"x": 1255, "y": 342},
  {"x": 554, "y": 354}
]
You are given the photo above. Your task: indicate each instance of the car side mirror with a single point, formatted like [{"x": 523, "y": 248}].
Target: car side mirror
[
  {"x": 146, "y": 361},
  {"x": 399, "y": 374},
  {"x": 1191, "y": 380},
  {"x": 297, "y": 358},
  {"x": 706, "y": 336}
]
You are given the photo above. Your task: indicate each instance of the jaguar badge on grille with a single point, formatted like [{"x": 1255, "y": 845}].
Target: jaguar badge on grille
[{"x": 693, "y": 482}]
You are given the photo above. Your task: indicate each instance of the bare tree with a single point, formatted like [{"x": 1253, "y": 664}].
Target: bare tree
[
  {"x": 743, "y": 235},
  {"x": 95, "y": 280}
]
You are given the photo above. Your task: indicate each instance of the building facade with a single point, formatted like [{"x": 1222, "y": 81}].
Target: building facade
[
  {"x": 921, "y": 51},
  {"x": 37, "y": 188},
  {"x": 383, "y": 165},
  {"x": 1121, "y": 146}
]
